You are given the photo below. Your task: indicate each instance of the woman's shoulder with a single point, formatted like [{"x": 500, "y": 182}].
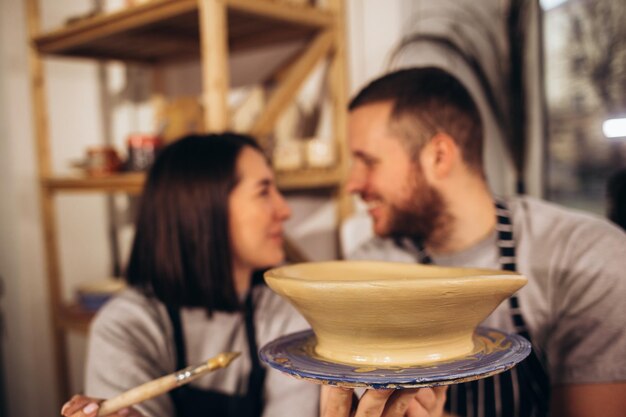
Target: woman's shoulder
[
  {"x": 268, "y": 302},
  {"x": 130, "y": 311},
  {"x": 129, "y": 300},
  {"x": 275, "y": 314}
]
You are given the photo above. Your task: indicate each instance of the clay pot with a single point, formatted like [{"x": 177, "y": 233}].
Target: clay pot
[{"x": 392, "y": 314}]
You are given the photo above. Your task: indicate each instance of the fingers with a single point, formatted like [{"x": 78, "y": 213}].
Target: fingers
[
  {"x": 424, "y": 402},
  {"x": 428, "y": 402},
  {"x": 373, "y": 403},
  {"x": 399, "y": 402},
  {"x": 127, "y": 412},
  {"x": 80, "y": 406},
  {"x": 335, "y": 402},
  {"x": 441, "y": 393},
  {"x": 338, "y": 402}
]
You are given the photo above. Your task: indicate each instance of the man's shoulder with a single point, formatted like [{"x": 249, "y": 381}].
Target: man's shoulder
[
  {"x": 529, "y": 205},
  {"x": 551, "y": 235},
  {"x": 544, "y": 217}
]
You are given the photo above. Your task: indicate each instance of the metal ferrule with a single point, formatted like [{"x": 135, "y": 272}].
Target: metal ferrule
[
  {"x": 183, "y": 375},
  {"x": 188, "y": 373}
]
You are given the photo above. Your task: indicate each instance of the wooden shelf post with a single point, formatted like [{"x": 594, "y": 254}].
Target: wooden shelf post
[
  {"x": 214, "y": 56},
  {"x": 48, "y": 215}
]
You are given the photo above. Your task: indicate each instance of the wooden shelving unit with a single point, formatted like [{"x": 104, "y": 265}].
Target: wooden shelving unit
[
  {"x": 131, "y": 183},
  {"x": 120, "y": 183},
  {"x": 72, "y": 317},
  {"x": 159, "y": 32},
  {"x": 163, "y": 30}
]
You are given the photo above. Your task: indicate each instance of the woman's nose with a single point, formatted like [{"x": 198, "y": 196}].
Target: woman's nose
[{"x": 282, "y": 210}]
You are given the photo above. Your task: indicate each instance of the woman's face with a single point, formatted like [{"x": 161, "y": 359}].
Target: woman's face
[{"x": 257, "y": 212}]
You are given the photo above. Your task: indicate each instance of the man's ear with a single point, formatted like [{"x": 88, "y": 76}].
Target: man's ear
[{"x": 439, "y": 157}]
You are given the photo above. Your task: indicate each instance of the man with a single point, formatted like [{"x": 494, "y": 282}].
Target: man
[{"x": 417, "y": 142}]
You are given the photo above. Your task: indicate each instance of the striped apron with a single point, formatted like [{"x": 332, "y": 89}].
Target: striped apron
[{"x": 523, "y": 391}]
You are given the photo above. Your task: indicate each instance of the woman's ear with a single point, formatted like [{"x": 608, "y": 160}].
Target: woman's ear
[{"x": 439, "y": 157}]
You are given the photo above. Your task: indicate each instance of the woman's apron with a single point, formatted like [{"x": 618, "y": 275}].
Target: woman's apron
[{"x": 195, "y": 402}]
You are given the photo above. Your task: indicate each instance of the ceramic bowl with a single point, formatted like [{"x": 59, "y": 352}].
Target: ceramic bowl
[{"x": 392, "y": 314}]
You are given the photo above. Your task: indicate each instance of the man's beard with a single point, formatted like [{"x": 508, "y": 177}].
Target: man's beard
[{"x": 425, "y": 218}]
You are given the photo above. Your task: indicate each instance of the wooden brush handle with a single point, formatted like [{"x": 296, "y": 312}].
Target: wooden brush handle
[
  {"x": 164, "y": 384},
  {"x": 138, "y": 394}
]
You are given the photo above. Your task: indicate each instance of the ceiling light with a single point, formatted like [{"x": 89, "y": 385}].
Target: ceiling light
[
  {"x": 614, "y": 128},
  {"x": 550, "y": 4}
]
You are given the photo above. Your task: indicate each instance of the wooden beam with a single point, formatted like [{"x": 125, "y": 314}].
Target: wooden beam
[
  {"x": 214, "y": 55},
  {"x": 131, "y": 183},
  {"x": 308, "y": 179},
  {"x": 339, "y": 98},
  {"x": 98, "y": 27},
  {"x": 292, "y": 80},
  {"x": 300, "y": 15}
]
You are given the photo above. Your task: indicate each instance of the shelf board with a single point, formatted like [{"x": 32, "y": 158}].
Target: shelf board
[
  {"x": 132, "y": 183},
  {"x": 163, "y": 30},
  {"x": 75, "y": 318},
  {"x": 309, "y": 179}
]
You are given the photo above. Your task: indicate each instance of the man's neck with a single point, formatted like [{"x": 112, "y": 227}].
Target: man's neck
[{"x": 473, "y": 218}]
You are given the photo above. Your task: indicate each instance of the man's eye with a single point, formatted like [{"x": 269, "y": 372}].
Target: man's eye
[{"x": 369, "y": 162}]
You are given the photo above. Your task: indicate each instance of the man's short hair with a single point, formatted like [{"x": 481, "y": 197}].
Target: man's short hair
[{"x": 427, "y": 101}]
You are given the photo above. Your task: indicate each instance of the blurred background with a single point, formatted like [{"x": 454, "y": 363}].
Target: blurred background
[{"x": 76, "y": 133}]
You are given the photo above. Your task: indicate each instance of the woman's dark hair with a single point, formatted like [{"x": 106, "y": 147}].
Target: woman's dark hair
[{"x": 181, "y": 251}]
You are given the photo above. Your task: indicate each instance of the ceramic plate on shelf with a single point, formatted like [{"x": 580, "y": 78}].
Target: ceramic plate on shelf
[{"x": 495, "y": 352}]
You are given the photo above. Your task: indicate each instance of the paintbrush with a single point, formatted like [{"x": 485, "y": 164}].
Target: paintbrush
[{"x": 164, "y": 384}]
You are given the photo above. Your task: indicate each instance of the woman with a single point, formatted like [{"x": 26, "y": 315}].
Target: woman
[{"x": 210, "y": 216}]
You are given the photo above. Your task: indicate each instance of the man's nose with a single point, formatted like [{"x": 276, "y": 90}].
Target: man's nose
[{"x": 356, "y": 180}]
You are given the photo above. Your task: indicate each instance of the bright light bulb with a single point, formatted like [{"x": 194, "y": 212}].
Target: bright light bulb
[
  {"x": 614, "y": 128},
  {"x": 550, "y": 4}
]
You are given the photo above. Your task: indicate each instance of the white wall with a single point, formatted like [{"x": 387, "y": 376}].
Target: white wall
[{"x": 27, "y": 338}]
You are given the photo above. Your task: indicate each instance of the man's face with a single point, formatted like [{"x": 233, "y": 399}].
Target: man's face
[{"x": 400, "y": 200}]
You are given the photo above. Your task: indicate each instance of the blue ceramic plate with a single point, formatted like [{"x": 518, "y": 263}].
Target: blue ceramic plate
[{"x": 495, "y": 352}]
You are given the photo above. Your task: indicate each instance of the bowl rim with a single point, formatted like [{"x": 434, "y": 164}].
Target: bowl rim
[{"x": 477, "y": 274}]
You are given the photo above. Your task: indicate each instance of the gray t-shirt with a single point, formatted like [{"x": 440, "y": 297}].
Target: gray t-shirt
[
  {"x": 574, "y": 303},
  {"x": 131, "y": 342}
]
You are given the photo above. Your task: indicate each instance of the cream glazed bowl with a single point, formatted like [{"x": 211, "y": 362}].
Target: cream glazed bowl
[{"x": 392, "y": 314}]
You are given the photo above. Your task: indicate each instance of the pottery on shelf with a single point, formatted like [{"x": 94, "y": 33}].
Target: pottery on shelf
[{"x": 392, "y": 314}]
